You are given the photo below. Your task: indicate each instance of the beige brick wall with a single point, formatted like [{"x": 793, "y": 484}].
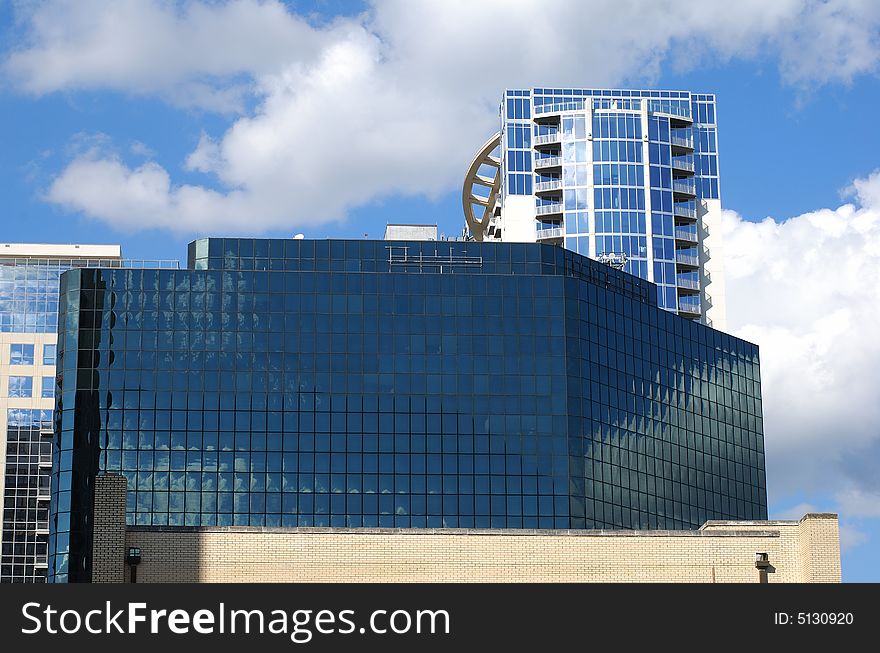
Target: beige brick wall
[
  {"x": 820, "y": 549},
  {"x": 721, "y": 553},
  {"x": 108, "y": 548},
  {"x": 724, "y": 552}
]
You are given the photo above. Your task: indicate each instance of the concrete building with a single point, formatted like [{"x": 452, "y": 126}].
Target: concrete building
[
  {"x": 627, "y": 176},
  {"x": 29, "y": 276},
  {"x": 411, "y": 232},
  {"x": 395, "y": 384}
]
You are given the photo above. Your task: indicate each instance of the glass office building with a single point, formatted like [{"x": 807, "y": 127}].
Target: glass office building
[
  {"x": 626, "y": 173},
  {"x": 28, "y": 326},
  {"x": 284, "y": 383},
  {"x": 29, "y": 281}
]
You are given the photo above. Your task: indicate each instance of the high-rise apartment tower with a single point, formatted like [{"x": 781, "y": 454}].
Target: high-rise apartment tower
[{"x": 626, "y": 176}]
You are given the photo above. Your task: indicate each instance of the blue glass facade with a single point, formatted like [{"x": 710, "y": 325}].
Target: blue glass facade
[
  {"x": 25, "y": 490},
  {"x": 396, "y": 384},
  {"x": 29, "y": 295}
]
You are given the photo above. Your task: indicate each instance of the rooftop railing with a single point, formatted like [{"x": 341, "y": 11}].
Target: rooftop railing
[
  {"x": 675, "y": 108},
  {"x": 128, "y": 263},
  {"x": 559, "y": 108},
  {"x": 401, "y": 255}
]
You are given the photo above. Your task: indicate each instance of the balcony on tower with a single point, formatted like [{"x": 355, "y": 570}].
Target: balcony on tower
[
  {"x": 684, "y": 189},
  {"x": 689, "y": 309},
  {"x": 682, "y": 142},
  {"x": 549, "y": 232},
  {"x": 687, "y": 284},
  {"x": 550, "y": 208},
  {"x": 682, "y": 166},
  {"x": 686, "y": 260},
  {"x": 685, "y": 237},
  {"x": 684, "y": 211},
  {"x": 549, "y": 139},
  {"x": 549, "y": 111},
  {"x": 548, "y": 186},
  {"x": 548, "y": 162}
]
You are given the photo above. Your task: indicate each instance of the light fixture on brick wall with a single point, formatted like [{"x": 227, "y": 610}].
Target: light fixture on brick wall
[
  {"x": 762, "y": 564},
  {"x": 133, "y": 559}
]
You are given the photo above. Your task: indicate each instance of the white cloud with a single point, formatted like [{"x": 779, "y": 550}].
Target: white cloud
[
  {"x": 393, "y": 101},
  {"x": 860, "y": 502},
  {"x": 807, "y": 290},
  {"x": 795, "y": 512},
  {"x": 831, "y": 41},
  {"x": 141, "y": 149},
  {"x": 851, "y": 538},
  {"x": 192, "y": 53},
  {"x": 145, "y": 197},
  {"x": 206, "y": 156}
]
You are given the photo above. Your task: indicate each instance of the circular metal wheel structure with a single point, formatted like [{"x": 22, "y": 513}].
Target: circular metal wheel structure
[
  {"x": 617, "y": 260},
  {"x": 483, "y": 173}
]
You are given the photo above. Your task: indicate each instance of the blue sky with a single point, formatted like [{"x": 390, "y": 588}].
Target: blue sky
[{"x": 152, "y": 123}]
